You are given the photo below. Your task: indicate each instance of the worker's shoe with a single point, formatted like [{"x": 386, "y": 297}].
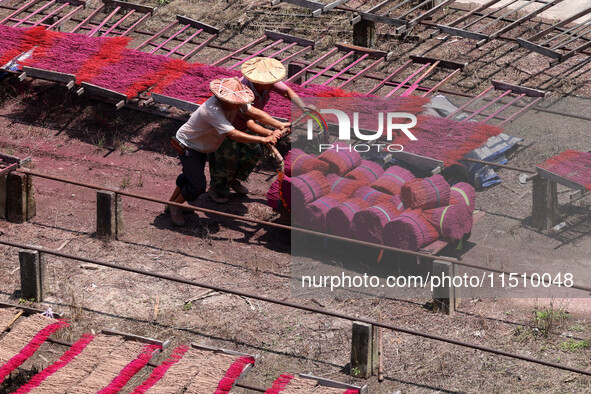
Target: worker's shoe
[
  {"x": 239, "y": 187},
  {"x": 217, "y": 197},
  {"x": 176, "y": 214}
]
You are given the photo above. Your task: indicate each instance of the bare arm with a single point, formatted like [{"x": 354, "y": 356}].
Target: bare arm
[
  {"x": 293, "y": 96},
  {"x": 240, "y": 136},
  {"x": 265, "y": 118}
]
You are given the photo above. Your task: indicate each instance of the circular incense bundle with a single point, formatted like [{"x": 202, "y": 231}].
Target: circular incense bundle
[
  {"x": 372, "y": 196},
  {"x": 314, "y": 215},
  {"x": 301, "y": 163},
  {"x": 426, "y": 193},
  {"x": 339, "y": 220},
  {"x": 367, "y": 172},
  {"x": 339, "y": 184},
  {"x": 273, "y": 195},
  {"x": 368, "y": 224},
  {"x": 392, "y": 180},
  {"x": 307, "y": 188},
  {"x": 341, "y": 159},
  {"x": 409, "y": 231},
  {"x": 463, "y": 193},
  {"x": 452, "y": 222}
]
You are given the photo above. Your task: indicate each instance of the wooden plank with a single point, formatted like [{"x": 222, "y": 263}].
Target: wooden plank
[
  {"x": 454, "y": 31},
  {"x": 130, "y": 6},
  {"x": 103, "y": 92},
  {"x": 333, "y": 384},
  {"x": 313, "y": 5},
  {"x": 49, "y": 75},
  {"x": 73, "y": 2},
  {"x": 518, "y": 89},
  {"x": 530, "y": 46},
  {"x": 221, "y": 350},
  {"x": 182, "y": 104},
  {"x": 29, "y": 311},
  {"x": 559, "y": 179},
  {"x": 334, "y": 4},
  {"x": 373, "y": 53},
  {"x": 442, "y": 63},
  {"x": 196, "y": 24},
  {"x": 288, "y": 38},
  {"x": 134, "y": 337},
  {"x": 382, "y": 19}
]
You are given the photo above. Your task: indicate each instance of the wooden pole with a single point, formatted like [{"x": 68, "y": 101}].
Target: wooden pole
[
  {"x": 444, "y": 295},
  {"x": 364, "y": 350},
  {"x": 109, "y": 215},
  {"x": 364, "y": 34},
  {"x": 20, "y": 197},
  {"x": 545, "y": 204},
  {"x": 32, "y": 271},
  {"x": 380, "y": 350}
]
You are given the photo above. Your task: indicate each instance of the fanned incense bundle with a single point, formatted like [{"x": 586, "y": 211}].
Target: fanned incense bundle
[
  {"x": 372, "y": 196},
  {"x": 307, "y": 188},
  {"x": 341, "y": 159},
  {"x": 463, "y": 193},
  {"x": 24, "y": 40},
  {"x": 130, "y": 370},
  {"x": 426, "y": 193},
  {"x": 301, "y": 163},
  {"x": 446, "y": 139},
  {"x": 572, "y": 165},
  {"x": 452, "y": 222},
  {"x": 368, "y": 224},
  {"x": 367, "y": 172},
  {"x": 392, "y": 180},
  {"x": 409, "y": 231},
  {"x": 124, "y": 359},
  {"x": 339, "y": 184},
  {"x": 95, "y": 353},
  {"x": 191, "y": 370},
  {"x": 77, "y": 348},
  {"x": 289, "y": 384},
  {"x": 273, "y": 195},
  {"x": 314, "y": 215},
  {"x": 339, "y": 220},
  {"x": 24, "y": 340}
]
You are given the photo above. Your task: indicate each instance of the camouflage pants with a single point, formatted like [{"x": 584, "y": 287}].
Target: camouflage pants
[{"x": 232, "y": 160}]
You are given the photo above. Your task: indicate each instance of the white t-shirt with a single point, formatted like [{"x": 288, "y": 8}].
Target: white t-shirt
[{"x": 205, "y": 129}]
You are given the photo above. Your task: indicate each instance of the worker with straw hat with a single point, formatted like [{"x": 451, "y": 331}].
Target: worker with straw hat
[
  {"x": 234, "y": 161},
  {"x": 207, "y": 129}
]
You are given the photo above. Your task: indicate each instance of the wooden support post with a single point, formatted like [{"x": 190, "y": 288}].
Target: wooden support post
[
  {"x": 20, "y": 197},
  {"x": 293, "y": 69},
  {"x": 364, "y": 350},
  {"x": 364, "y": 34},
  {"x": 32, "y": 269},
  {"x": 3, "y": 196},
  {"x": 544, "y": 212},
  {"x": 432, "y": 4},
  {"x": 109, "y": 215},
  {"x": 444, "y": 295}
]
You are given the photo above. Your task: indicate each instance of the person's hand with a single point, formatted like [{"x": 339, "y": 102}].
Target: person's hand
[
  {"x": 278, "y": 133},
  {"x": 285, "y": 125},
  {"x": 311, "y": 108},
  {"x": 270, "y": 139}
]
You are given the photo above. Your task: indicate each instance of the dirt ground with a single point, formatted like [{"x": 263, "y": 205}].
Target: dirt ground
[{"x": 86, "y": 140}]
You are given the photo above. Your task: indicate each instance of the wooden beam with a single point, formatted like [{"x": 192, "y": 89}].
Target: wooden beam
[
  {"x": 130, "y": 6},
  {"x": 334, "y": 384},
  {"x": 560, "y": 179},
  {"x": 530, "y": 46},
  {"x": 381, "y": 19},
  {"x": 198, "y": 25},
  {"x": 68, "y": 79},
  {"x": 182, "y": 104},
  {"x": 454, "y": 31},
  {"x": 441, "y": 63},
  {"x": 288, "y": 38},
  {"x": 373, "y": 53},
  {"x": 133, "y": 337},
  {"x": 518, "y": 89},
  {"x": 103, "y": 92}
]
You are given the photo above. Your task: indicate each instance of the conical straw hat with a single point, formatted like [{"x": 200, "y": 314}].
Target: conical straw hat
[
  {"x": 231, "y": 90},
  {"x": 263, "y": 70}
]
